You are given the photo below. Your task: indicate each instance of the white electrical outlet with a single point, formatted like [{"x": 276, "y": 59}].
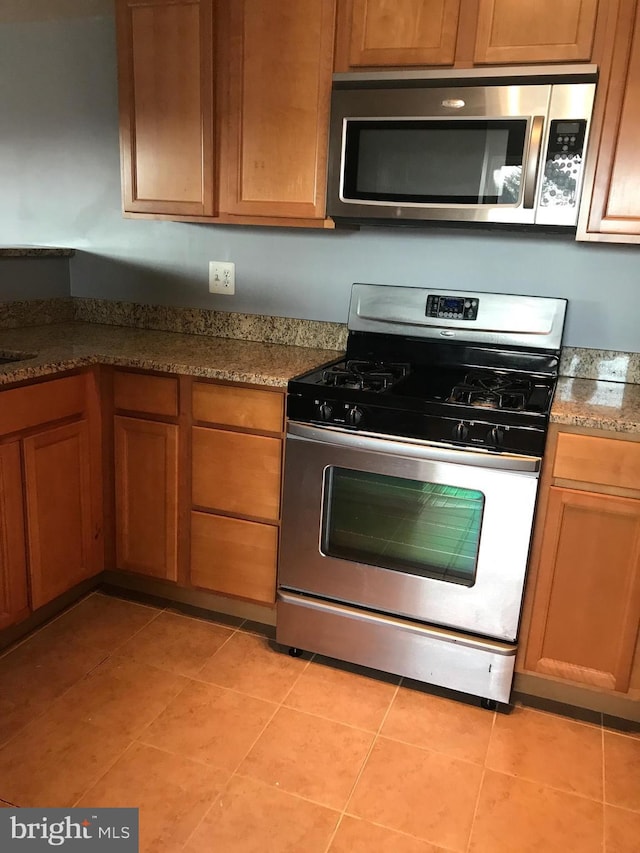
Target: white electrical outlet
[{"x": 222, "y": 277}]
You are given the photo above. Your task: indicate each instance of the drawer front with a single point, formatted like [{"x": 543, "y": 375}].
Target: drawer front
[
  {"x": 152, "y": 395},
  {"x": 234, "y": 557},
  {"x": 238, "y": 407},
  {"x": 33, "y": 405},
  {"x": 237, "y": 473},
  {"x": 590, "y": 459}
]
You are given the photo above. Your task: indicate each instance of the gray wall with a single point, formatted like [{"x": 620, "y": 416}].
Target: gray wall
[
  {"x": 33, "y": 278},
  {"x": 59, "y": 180}
]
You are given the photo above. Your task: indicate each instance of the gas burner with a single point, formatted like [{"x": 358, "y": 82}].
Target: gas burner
[
  {"x": 489, "y": 390},
  {"x": 364, "y": 375}
]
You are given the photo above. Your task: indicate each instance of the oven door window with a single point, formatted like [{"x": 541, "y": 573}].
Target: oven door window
[
  {"x": 431, "y": 161},
  {"x": 408, "y": 526}
]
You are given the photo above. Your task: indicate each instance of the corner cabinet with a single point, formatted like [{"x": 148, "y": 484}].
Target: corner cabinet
[
  {"x": 613, "y": 175},
  {"x": 274, "y": 80},
  {"x": 14, "y": 593},
  {"x": 51, "y": 536},
  {"x": 585, "y": 614},
  {"x": 376, "y": 33},
  {"x": 165, "y": 60}
]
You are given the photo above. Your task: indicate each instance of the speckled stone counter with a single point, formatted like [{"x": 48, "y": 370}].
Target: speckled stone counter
[
  {"x": 597, "y": 404},
  {"x": 609, "y": 365},
  {"x": 35, "y": 252},
  {"x": 65, "y": 346}
]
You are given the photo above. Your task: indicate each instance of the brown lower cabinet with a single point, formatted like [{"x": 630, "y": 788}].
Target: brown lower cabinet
[
  {"x": 236, "y": 470},
  {"x": 233, "y": 556},
  {"x": 146, "y": 481},
  {"x": 14, "y": 596},
  {"x": 50, "y": 503},
  {"x": 198, "y": 469},
  {"x": 58, "y": 506},
  {"x": 585, "y": 614}
]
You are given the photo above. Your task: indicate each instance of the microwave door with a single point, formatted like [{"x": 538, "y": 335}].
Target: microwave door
[{"x": 466, "y": 168}]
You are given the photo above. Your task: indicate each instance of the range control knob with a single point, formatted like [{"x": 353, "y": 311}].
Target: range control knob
[
  {"x": 460, "y": 431},
  {"x": 325, "y": 411},
  {"x": 355, "y": 416},
  {"x": 496, "y": 435}
]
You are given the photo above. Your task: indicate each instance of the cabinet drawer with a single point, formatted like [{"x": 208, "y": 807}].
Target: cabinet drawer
[
  {"x": 33, "y": 405},
  {"x": 591, "y": 459},
  {"x": 241, "y": 407},
  {"x": 237, "y": 473},
  {"x": 234, "y": 557},
  {"x": 153, "y": 395}
]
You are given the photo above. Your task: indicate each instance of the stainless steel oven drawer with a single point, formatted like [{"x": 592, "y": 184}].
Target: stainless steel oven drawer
[{"x": 446, "y": 658}]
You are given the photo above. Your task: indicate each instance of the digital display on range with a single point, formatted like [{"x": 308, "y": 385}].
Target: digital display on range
[{"x": 451, "y": 307}]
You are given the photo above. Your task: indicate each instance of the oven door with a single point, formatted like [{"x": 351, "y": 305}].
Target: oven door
[{"x": 406, "y": 528}]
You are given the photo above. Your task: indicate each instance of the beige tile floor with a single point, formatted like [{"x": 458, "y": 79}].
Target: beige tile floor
[{"x": 227, "y": 745}]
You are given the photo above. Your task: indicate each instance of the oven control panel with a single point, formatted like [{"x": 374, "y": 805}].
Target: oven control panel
[
  {"x": 451, "y": 307},
  {"x": 356, "y": 416}
]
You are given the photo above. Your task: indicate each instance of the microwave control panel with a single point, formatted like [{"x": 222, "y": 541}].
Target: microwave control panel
[
  {"x": 566, "y": 138},
  {"x": 451, "y": 307},
  {"x": 564, "y": 161}
]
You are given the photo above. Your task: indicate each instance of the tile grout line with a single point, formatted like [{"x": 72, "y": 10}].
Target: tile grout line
[
  {"x": 234, "y": 772},
  {"x": 49, "y": 707},
  {"x": 484, "y": 772},
  {"x": 47, "y": 624},
  {"x": 102, "y": 775},
  {"x": 604, "y": 789},
  {"x": 363, "y": 765}
]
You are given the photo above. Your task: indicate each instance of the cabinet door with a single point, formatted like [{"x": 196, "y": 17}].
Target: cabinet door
[
  {"x": 14, "y": 602},
  {"x": 396, "y": 32},
  {"x": 277, "y": 60},
  {"x": 586, "y": 609},
  {"x": 57, "y": 470},
  {"x": 234, "y": 557},
  {"x": 165, "y": 59},
  {"x": 237, "y": 473},
  {"x": 535, "y": 30},
  {"x": 146, "y": 481},
  {"x": 614, "y": 214}
]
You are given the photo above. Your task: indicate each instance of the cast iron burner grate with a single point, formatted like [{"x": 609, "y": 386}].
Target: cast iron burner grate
[
  {"x": 364, "y": 375},
  {"x": 492, "y": 391}
]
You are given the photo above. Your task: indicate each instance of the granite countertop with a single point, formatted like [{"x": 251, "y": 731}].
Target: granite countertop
[
  {"x": 593, "y": 403},
  {"x": 64, "y": 346},
  {"x": 35, "y": 252},
  {"x": 597, "y": 404}
]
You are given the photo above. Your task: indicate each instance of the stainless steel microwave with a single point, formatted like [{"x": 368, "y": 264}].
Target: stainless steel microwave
[{"x": 505, "y": 147}]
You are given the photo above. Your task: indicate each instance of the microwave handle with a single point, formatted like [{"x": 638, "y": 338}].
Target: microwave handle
[{"x": 533, "y": 162}]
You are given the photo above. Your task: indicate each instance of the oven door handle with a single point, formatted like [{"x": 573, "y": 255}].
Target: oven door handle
[{"x": 414, "y": 449}]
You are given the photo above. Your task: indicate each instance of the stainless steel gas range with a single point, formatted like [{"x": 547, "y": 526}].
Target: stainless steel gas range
[{"x": 410, "y": 485}]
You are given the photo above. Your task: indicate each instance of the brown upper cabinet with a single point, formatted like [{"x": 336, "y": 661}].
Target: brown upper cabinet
[
  {"x": 165, "y": 59},
  {"x": 404, "y": 32},
  {"x": 613, "y": 178},
  {"x": 535, "y": 31},
  {"x": 381, "y": 33},
  {"x": 224, "y": 108},
  {"x": 274, "y": 88}
]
